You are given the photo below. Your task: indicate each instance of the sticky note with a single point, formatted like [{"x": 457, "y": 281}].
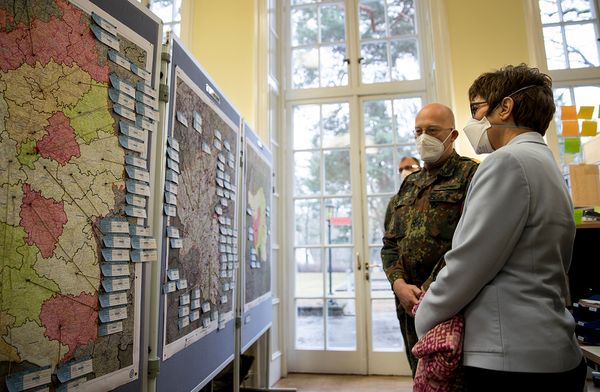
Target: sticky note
[
  {"x": 572, "y": 145},
  {"x": 568, "y": 113},
  {"x": 577, "y": 216},
  {"x": 570, "y": 128},
  {"x": 597, "y": 209},
  {"x": 589, "y": 128},
  {"x": 585, "y": 112}
]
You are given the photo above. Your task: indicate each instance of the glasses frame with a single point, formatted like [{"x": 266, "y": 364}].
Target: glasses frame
[{"x": 474, "y": 106}]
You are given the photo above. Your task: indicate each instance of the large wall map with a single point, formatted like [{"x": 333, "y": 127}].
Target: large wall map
[
  {"x": 257, "y": 260},
  {"x": 200, "y": 204},
  {"x": 64, "y": 196}
]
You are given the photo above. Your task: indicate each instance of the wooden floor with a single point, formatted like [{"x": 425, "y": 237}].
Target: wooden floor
[
  {"x": 352, "y": 383},
  {"x": 343, "y": 382}
]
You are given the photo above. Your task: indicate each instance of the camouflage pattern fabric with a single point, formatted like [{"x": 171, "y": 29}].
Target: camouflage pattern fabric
[{"x": 420, "y": 221}]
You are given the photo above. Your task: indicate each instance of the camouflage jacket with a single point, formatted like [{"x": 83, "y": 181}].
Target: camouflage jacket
[{"x": 421, "y": 218}]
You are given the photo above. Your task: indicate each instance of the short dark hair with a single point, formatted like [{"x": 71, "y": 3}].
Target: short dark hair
[{"x": 533, "y": 106}]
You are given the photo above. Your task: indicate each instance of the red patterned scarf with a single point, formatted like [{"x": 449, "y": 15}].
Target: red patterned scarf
[{"x": 440, "y": 356}]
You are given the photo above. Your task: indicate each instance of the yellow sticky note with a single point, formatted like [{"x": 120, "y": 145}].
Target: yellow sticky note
[
  {"x": 577, "y": 216},
  {"x": 570, "y": 128},
  {"x": 589, "y": 128},
  {"x": 585, "y": 112},
  {"x": 572, "y": 145},
  {"x": 568, "y": 113}
]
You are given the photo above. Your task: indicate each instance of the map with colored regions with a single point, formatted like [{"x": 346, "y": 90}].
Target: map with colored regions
[
  {"x": 205, "y": 219},
  {"x": 61, "y": 172},
  {"x": 257, "y": 261}
]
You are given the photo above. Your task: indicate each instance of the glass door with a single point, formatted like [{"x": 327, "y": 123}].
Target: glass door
[
  {"x": 354, "y": 83},
  {"x": 327, "y": 327},
  {"x": 387, "y": 136}
]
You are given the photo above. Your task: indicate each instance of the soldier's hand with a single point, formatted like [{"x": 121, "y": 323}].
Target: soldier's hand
[{"x": 408, "y": 294}]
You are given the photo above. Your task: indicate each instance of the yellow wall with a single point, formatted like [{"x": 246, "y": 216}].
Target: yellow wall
[
  {"x": 483, "y": 35},
  {"x": 223, "y": 41}
]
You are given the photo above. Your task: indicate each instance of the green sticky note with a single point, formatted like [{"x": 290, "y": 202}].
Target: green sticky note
[
  {"x": 577, "y": 215},
  {"x": 597, "y": 209},
  {"x": 572, "y": 145}
]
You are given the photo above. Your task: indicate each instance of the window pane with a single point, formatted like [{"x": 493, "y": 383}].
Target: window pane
[
  {"x": 380, "y": 173},
  {"x": 309, "y": 272},
  {"x": 300, "y": 2},
  {"x": 378, "y": 122},
  {"x": 553, "y": 43},
  {"x": 380, "y": 286},
  {"x": 341, "y": 220},
  {"x": 332, "y": 23},
  {"x": 337, "y": 172},
  {"x": 163, "y": 9},
  {"x": 582, "y": 46},
  {"x": 375, "y": 66},
  {"x": 405, "y": 60},
  {"x": 336, "y": 125},
  {"x": 371, "y": 19},
  {"x": 305, "y": 68},
  {"x": 340, "y": 279},
  {"x": 386, "y": 329},
  {"x": 341, "y": 324},
  {"x": 307, "y": 129},
  {"x": 405, "y": 111},
  {"x": 306, "y": 218},
  {"x": 587, "y": 95},
  {"x": 309, "y": 324},
  {"x": 334, "y": 71},
  {"x": 377, "y": 208},
  {"x": 576, "y": 10},
  {"x": 401, "y": 17},
  {"x": 176, "y": 29},
  {"x": 549, "y": 11},
  {"x": 304, "y": 26},
  {"x": 306, "y": 173}
]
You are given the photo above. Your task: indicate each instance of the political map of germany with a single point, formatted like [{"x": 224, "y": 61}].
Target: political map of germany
[{"x": 61, "y": 172}]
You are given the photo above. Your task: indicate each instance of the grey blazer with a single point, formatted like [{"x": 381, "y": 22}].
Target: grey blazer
[{"x": 507, "y": 267}]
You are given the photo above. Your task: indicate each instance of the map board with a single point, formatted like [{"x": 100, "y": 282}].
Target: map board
[
  {"x": 78, "y": 111},
  {"x": 256, "y": 238},
  {"x": 200, "y": 214}
]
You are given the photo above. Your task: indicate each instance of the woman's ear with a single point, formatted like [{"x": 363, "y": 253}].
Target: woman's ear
[{"x": 506, "y": 107}]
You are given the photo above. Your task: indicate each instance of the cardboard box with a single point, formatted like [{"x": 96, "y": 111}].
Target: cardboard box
[{"x": 585, "y": 185}]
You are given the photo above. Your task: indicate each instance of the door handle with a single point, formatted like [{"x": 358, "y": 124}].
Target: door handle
[{"x": 358, "y": 264}]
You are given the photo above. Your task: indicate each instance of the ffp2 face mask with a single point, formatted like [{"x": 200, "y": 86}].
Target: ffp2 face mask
[{"x": 476, "y": 131}]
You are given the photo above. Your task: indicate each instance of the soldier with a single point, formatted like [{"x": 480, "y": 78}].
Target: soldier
[
  {"x": 421, "y": 218},
  {"x": 408, "y": 165}
]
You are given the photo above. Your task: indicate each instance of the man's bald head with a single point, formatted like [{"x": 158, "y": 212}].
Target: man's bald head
[{"x": 435, "y": 114}]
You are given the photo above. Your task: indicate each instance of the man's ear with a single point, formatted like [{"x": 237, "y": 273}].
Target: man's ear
[
  {"x": 506, "y": 107},
  {"x": 455, "y": 134}
]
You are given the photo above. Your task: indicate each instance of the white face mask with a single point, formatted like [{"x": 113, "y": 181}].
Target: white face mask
[
  {"x": 430, "y": 148},
  {"x": 476, "y": 131},
  {"x": 404, "y": 173}
]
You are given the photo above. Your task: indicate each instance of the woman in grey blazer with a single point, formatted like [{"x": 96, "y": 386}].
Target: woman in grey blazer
[{"x": 506, "y": 271}]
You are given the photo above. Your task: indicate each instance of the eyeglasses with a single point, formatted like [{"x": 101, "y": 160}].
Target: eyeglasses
[
  {"x": 475, "y": 107},
  {"x": 431, "y": 131}
]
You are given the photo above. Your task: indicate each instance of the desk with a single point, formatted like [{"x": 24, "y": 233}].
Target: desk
[{"x": 592, "y": 353}]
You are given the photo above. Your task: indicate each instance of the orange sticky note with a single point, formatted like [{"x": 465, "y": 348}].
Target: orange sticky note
[
  {"x": 568, "y": 113},
  {"x": 589, "y": 128},
  {"x": 585, "y": 112},
  {"x": 570, "y": 128}
]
